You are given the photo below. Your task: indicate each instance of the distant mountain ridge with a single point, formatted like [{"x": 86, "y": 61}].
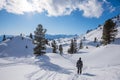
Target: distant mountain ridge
[
  {"x": 7, "y": 36},
  {"x": 48, "y": 36},
  {"x": 57, "y": 36}
]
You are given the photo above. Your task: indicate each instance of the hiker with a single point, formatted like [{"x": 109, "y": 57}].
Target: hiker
[{"x": 79, "y": 66}]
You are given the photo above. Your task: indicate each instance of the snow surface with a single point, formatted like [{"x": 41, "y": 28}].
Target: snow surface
[
  {"x": 16, "y": 47},
  {"x": 102, "y": 63}
]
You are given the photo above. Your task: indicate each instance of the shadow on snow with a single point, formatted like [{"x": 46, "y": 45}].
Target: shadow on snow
[
  {"x": 47, "y": 65},
  {"x": 117, "y": 41},
  {"x": 88, "y": 74}
]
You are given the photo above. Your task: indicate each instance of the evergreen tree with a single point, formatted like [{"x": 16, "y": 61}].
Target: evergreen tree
[
  {"x": 60, "y": 49},
  {"x": 118, "y": 17},
  {"x": 26, "y": 46},
  {"x": 99, "y": 25},
  {"x": 88, "y": 31},
  {"x": 86, "y": 47},
  {"x": 81, "y": 45},
  {"x": 97, "y": 45},
  {"x": 73, "y": 46},
  {"x": 109, "y": 32},
  {"x": 31, "y": 36},
  {"x": 22, "y": 36},
  {"x": 54, "y": 45},
  {"x": 95, "y": 40},
  {"x": 39, "y": 40},
  {"x": 47, "y": 42},
  {"x": 4, "y": 38},
  {"x": 84, "y": 38},
  {"x": 71, "y": 50}
]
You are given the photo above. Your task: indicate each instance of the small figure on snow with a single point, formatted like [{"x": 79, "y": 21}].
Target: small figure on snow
[
  {"x": 60, "y": 49},
  {"x": 79, "y": 66}
]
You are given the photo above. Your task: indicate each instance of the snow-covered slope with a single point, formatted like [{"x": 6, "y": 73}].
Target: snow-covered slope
[
  {"x": 99, "y": 63},
  {"x": 95, "y": 33},
  {"x": 17, "y": 47}
]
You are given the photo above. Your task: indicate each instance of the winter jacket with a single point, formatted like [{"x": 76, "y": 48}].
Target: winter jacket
[{"x": 79, "y": 64}]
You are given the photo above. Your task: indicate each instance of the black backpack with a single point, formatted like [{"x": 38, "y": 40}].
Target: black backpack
[{"x": 79, "y": 63}]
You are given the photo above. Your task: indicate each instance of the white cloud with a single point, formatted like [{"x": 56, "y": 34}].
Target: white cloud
[
  {"x": 90, "y": 8},
  {"x": 109, "y": 6},
  {"x": 57, "y": 7},
  {"x": 2, "y": 3},
  {"x": 18, "y": 6}
]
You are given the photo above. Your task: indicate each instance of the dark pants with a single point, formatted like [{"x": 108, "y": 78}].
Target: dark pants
[{"x": 79, "y": 71}]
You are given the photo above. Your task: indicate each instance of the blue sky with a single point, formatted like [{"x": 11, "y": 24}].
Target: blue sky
[{"x": 57, "y": 16}]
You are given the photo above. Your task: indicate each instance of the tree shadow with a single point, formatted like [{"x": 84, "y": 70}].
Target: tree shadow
[
  {"x": 117, "y": 41},
  {"x": 44, "y": 63},
  {"x": 88, "y": 74},
  {"x": 81, "y": 52},
  {"x": 66, "y": 44},
  {"x": 92, "y": 43}
]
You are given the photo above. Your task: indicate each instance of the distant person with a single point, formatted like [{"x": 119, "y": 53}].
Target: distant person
[{"x": 79, "y": 66}]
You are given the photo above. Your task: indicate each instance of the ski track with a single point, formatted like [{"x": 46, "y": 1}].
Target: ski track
[
  {"x": 29, "y": 76},
  {"x": 75, "y": 77},
  {"x": 47, "y": 75},
  {"x": 42, "y": 74},
  {"x": 53, "y": 75}
]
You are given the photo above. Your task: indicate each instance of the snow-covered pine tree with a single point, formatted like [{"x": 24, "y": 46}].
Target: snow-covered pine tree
[
  {"x": 86, "y": 47},
  {"x": 84, "y": 38},
  {"x": 4, "y": 38},
  {"x": 88, "y": 31},
  {"x": 118, "y": 17},
  {"x": 97, "y": 45},
  {"x": 31, "y": 36},
  {"x": 60, "y": 49},
  {"x": 21, "y": 36},
  {"x": 95, "y": 40},
  {"x": 81, "y": 45},
  {"x": 39, "y": 40},
  {"x": 109, "y": 32},
  {"x": 47, "y": 42},
  {"x": 26, "y": 46},
  {"x": 71, "y": 49},
  {"x": 73, "y": 46},
  {"x": 54, "y": 45}
]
